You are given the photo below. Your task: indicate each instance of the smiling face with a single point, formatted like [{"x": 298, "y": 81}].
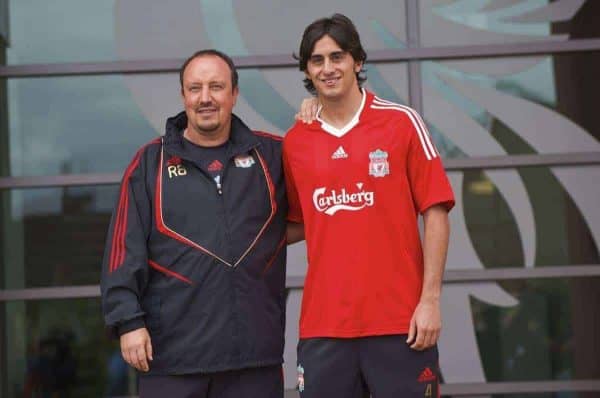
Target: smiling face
[
  {"x": 208, "y": 98},
  {"x": 332, "y": 70}
]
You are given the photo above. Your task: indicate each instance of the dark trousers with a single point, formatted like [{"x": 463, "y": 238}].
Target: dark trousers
[
  {"x": 382, "y": 366},
  {"x": 264, "y": 382}
]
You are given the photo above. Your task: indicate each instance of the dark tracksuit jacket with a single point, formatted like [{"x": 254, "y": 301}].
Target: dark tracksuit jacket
[{"x": 201, "y": 266}]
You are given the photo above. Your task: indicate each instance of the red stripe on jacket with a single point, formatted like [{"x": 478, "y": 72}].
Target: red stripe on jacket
[
  {"x": 167, "y": 271},
  {"x": 268, "y": 135},
  {"x": 117, "y": 253}
]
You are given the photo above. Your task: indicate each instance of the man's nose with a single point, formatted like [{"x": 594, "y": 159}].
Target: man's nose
[
  {"x": 205, "y": 94},
  {"x": 327, "y": 65}
]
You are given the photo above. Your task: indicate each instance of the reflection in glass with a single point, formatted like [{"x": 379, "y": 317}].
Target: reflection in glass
[
  {"x": 548, "y": 335},
  {"x": 69, "y": 125},
  {"x": 60, "y": 31},
  {"x": 517, "y": 105},
  {"x": 61, "y": 352},
  {"x": 55, "y": 236},
  {"x": 562, "y": 232},
  {"x": 471, "y": 22}
]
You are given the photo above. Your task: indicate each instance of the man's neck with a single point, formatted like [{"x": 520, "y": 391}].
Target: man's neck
[
  {"x": 203, "y": 140},
  {"x": 339, "y": 112}
]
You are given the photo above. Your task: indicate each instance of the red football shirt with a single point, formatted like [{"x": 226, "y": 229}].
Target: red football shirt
[{"x": 358, "y": 191}]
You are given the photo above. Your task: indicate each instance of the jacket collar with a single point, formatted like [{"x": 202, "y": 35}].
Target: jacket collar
[{"x": 241, "y": 137}]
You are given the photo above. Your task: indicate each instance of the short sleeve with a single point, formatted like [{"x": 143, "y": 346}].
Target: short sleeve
[{"x": 428, "y": 180}]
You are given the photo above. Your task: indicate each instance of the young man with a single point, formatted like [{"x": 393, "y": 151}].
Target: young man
[
  {"x": 194, "y": 271},
  {"x": 357, "y": 178}
]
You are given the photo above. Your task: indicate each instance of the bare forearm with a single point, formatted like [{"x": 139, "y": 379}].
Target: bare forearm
[
  {"x": 435, "y": 249},
  {"x": 295, "y": 232}
]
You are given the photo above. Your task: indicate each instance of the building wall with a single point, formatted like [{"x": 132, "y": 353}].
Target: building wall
[{"x": 508, "y": 91}]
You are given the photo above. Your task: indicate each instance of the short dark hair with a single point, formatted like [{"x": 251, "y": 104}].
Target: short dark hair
[
  {"x": 341, "y": 29},
  {"x": 216, "y": 53}
]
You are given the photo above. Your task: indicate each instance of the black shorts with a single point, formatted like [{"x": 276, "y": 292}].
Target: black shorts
[
  {"x": 264, "y": 382},
  {"x": 380, "y": 366}
]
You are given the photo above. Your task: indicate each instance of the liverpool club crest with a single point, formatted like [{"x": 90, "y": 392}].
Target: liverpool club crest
[
  {"x": 378, "y": 165},
  {"x": 243, "y": 161}
]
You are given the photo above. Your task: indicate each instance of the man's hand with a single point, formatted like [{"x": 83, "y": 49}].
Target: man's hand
[
  {"x": 308, "y": 110},
  {"x": 136, "y": 348},
  {"x": 425, "y": 325}
]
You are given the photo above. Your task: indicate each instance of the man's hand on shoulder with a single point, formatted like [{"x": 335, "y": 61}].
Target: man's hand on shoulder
[
  {"x": 425, "y": 325},
  {"x": 136, "y": 348},
  {"x": 308, "y": 110}
]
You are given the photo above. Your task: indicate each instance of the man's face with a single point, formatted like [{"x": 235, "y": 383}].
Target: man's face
[
  {"x": 332, "y": 70},
  {"x": 208, "y": 97}
]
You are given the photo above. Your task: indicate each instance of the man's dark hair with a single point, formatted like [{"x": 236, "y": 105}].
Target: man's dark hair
[
  {"x": 341, "y": 29},
  {"x": 216, "y": 53}
]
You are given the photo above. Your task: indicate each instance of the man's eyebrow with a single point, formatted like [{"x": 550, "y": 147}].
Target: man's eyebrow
[{"x": 336, "y": 52}]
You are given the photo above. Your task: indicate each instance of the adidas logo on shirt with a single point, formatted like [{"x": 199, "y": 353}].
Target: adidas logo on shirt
[{"x": 339, "y": 153}]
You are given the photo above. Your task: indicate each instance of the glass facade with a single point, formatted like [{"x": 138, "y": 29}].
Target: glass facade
[
  {"x": 64, "y": 125},
  {"x": 58, "y": 348},
  {"x": 473, "y": 22},
  {"x": 500, "y": 105},
  {"x": 65, "y": 31},
  {"x": 544, "y": 337},
  {"x": 57, "y": 235},
  {"x": 518, "y": 218}
]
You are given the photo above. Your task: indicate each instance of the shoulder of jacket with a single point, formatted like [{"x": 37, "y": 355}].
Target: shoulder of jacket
[
  {"x": 271, "y": 141},
  {"x": 142, "y": 152},
  {"x": 263, "y": 135}
]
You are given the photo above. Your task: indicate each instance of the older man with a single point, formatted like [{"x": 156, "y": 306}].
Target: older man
[{"x": 194, "y": 271}]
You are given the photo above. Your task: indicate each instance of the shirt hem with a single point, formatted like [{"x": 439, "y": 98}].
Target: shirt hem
[{"x": 355, "y": 333}]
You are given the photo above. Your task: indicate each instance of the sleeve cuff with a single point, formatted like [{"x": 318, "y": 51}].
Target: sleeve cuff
[
  {"x": 448, "y": 204},
  {"x": 128, "y": 326}
]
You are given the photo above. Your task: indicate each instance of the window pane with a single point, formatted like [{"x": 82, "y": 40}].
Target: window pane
[
  {"x": 60, "y": 31},
  {"x": 73, "y": 125},
  {"x": 54, "y": 236},
  {"x": 59, "y": 348},
  {"x": 89, "y": 30},
  {"x": 517, "y": 105},
  {"x": 471, "y": 22},
  {"x": 551, "y": 333},
  {"x": 525, "y": 217}
]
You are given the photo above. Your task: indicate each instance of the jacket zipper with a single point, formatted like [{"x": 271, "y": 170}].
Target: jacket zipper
[{"x": 219, "y": 186}]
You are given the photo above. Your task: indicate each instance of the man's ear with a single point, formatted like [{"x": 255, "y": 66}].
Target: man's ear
[
  {"x": 236, "y": 92},
  {"x": 358, "y": 66}
]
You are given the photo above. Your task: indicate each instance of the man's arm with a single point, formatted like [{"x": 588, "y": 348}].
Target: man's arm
[
  {"x": 426, "y": 323},
  {"x": 295, "y": 232},
  {"x": 125, "y": 269}
]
